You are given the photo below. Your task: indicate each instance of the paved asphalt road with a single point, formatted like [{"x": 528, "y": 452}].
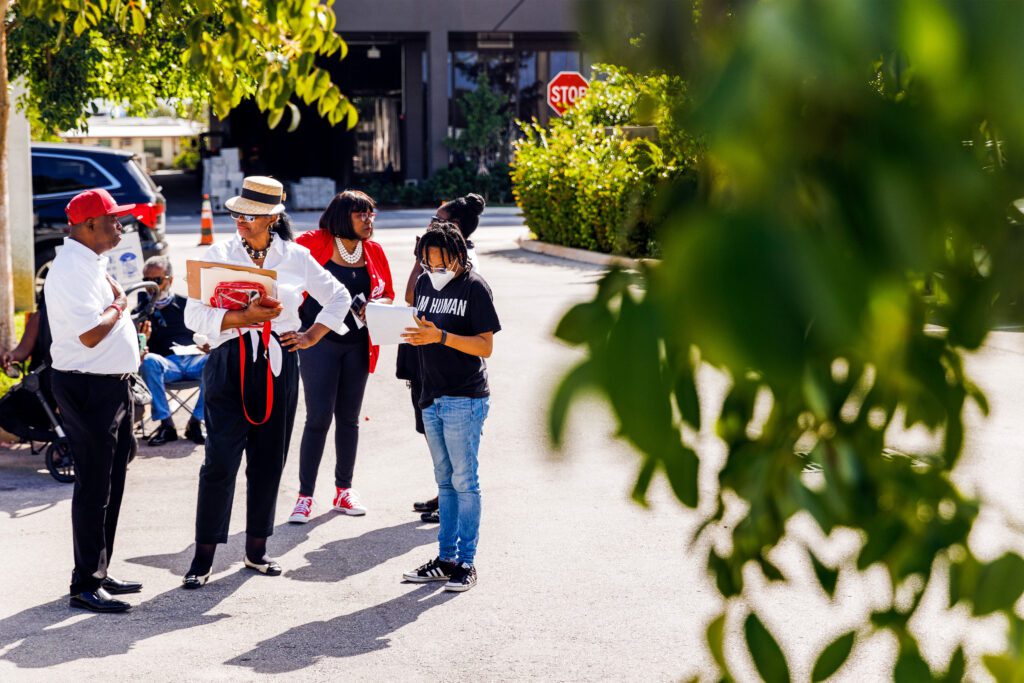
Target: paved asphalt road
[{"x": 576, "y": 582}]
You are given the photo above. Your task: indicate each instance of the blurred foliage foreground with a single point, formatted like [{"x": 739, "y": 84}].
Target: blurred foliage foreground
[{"x": 862, "y": 159}]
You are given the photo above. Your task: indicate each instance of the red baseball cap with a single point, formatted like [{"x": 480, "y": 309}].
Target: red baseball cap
[{"x": 93, "y": 204}]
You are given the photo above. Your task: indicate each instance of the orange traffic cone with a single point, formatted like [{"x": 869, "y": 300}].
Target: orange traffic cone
[{"x": 206, "y": 223}]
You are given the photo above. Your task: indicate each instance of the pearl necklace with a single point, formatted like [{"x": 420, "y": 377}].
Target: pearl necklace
[
  {"x": 257, "y": 254},
  {"x": 356, "y": 254}
]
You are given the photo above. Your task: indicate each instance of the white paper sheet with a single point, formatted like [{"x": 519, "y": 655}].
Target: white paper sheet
[
  {"x": 185, "y": 350},
  {"x": 387, "y": 322}
]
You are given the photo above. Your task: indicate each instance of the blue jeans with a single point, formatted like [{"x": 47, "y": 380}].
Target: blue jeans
[
  {"x": 453, "y": 425},
  {"x": 157, "y": 370}
]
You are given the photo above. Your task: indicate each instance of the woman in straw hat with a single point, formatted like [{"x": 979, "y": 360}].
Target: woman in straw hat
[{"x": 252, "y": 377}]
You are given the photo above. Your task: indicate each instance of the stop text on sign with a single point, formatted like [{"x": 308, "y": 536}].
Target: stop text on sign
[{"x": 565, "y": 89}]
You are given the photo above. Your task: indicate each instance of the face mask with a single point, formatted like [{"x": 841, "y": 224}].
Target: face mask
[
  {"x": 164, "y": 297},
  {"x": 439, "y": 280}
]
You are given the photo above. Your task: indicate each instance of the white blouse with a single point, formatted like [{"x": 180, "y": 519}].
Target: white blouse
[{"x": 297, "y": 272}]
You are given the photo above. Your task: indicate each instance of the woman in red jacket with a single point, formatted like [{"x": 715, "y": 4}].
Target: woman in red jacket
[{"x": 334, "y": 372}]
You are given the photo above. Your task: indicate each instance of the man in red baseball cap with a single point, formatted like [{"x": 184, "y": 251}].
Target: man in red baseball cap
[
  {"x": 94, "y": 353},
  {"x": 97, "y": 206}
]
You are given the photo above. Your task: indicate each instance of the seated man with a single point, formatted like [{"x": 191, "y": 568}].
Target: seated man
[{"x": 164, "y": 330}]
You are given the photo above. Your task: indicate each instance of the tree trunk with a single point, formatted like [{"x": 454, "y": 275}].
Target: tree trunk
[{"x": 7, "y": 337}]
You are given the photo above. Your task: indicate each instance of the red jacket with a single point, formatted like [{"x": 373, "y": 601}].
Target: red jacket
[{"x": 321, "y": 245}]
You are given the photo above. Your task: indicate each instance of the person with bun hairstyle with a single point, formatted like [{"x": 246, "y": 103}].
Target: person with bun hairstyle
[
  {"x": 465, "y": 213},
  {"x": 252, "y": 386},
  {"x": 453, "y": 335},
  {"x": 334, "y": 372}
]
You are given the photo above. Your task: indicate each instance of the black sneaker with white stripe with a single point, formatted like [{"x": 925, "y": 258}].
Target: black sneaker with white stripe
[
  {"x": 435, "y": 570},
  {"x": 463, "y": 578}
]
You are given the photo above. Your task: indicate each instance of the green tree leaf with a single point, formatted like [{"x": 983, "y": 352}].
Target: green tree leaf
[
  {"x": 716, "y": 643},
  {"x": 826, "y": 577},
  {"x": 833, "y": 657},
  {"x": 768, "y": 657},
  {"x": 1000, "y": 584},
  {"x": 957, "y": 667}
]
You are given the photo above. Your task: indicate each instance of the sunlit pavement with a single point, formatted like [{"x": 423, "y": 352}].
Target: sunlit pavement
[{"x": 576, "y": 582}]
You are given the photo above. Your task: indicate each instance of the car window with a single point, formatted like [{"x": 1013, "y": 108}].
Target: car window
[
  {"x": 136, "y": 172},
  {"x": 52, "y": 175}
]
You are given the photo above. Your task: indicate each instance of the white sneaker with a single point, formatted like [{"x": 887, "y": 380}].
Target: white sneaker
[
  {"x": 303, "y": 506},
  {"x": 347, "y": 501}
]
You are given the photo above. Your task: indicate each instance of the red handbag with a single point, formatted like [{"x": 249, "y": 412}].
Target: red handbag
[{"x": 236, "y": 296}]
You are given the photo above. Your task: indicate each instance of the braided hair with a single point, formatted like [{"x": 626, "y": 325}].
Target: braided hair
[{"x": 446, "y": 236}]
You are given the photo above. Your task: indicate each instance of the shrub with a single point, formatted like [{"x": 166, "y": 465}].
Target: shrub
[{"x": 585, "y": 182}]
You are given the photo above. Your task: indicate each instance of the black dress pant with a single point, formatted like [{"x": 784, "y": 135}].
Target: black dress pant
[
  {"x": 334, "y": 378},
  {"x": 96, "y": 411},
  {"x": 229, "y": 435}
]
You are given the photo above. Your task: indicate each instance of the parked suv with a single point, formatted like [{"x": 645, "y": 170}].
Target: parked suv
[{"x": 60, "y": 171}]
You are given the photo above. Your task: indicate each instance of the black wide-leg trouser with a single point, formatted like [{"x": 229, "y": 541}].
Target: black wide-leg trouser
[
  {"x": 96, "y": 412},
  {"x": 229, "y": 434}
]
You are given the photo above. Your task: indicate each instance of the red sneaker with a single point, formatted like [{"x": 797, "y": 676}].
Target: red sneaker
[
  {"x": 347, "y": 501},
  {"x": 303, "y": 506}
]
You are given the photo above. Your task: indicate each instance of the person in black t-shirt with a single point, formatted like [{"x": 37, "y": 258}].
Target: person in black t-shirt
[
  {"x": 453, "y": 336},
  {"x": 164, "y": 330},
  {"x": 465, "y": 213}
]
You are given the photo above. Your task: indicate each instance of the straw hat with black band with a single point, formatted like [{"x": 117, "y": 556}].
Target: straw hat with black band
[{"x": 261, "y": 196}]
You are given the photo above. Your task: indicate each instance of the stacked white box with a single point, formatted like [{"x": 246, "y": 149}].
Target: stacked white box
[
  {"x": 222, "y": 177},
  {"x": 311, "y": 193}
]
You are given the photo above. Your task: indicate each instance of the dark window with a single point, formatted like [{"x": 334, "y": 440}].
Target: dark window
[{"x": 51, "y": 175}]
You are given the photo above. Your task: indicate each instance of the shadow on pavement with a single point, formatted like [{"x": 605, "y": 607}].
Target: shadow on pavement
[
  {"x": 25, "y": 486},
  {"x": 286, "y": 538},
  {"x": 347, "y": 557},
  {"x": 46, "y": 642},
  {"x": 348, "y": 635}
]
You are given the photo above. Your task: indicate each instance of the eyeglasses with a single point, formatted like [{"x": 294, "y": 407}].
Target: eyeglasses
[
  {"x": 248, "y": 218},
  {"x": 365, "y": 216},
  {"x": 427, "y": 268},
  {"x": 157, "y": 280}
]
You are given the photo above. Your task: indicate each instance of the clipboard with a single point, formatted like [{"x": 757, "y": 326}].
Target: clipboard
[{"x": 193, "y": 275}]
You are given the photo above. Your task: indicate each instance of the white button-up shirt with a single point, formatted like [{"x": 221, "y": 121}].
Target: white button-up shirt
[
  {"x": 77, "y": 292},
  {"x": 297, "y": 272}
]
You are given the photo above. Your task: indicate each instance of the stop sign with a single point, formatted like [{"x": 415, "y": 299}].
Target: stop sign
[{"x": 565, "y": 89}]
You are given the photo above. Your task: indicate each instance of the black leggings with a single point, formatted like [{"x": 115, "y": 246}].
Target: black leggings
[{"x": 333, "y": 382}]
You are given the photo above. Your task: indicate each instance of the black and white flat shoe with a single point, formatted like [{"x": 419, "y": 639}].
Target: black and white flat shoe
[
  {"x": 271, "y": 568},
  {"x": 193, "y": 581}
]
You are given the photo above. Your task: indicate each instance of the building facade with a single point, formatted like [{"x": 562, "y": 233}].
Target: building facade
[
  {"x": 157, "y": 141},
  {"x": 408, "y": 63}
]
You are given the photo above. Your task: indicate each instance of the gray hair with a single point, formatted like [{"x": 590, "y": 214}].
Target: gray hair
[{"x": 161, "y": 262}]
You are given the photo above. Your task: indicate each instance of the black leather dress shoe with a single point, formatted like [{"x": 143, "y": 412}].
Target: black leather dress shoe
[
  {"x": 194, "y": 432},
  {"x": 98, "y": 600},
  {"x": 163, "y": 435},
  {"x": 112, "y": 585}
]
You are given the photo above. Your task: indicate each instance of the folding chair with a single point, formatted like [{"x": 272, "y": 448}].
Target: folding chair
[{"x": 180, "y": 396}]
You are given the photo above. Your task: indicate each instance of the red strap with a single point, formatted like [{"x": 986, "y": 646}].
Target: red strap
[{"x": 270, "y": 378}]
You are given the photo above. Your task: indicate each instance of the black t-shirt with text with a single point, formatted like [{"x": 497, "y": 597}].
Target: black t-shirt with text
[{"x": 465, "y": 307}]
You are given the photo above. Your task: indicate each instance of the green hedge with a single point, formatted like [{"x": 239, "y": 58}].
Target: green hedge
[{"x": 584, "y": 182}]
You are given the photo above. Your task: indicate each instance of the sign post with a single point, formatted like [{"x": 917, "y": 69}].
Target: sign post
[{"x": 565, "y": 89}]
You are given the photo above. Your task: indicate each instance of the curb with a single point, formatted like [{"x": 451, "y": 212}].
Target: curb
[{"x": 581, "y": 255}]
